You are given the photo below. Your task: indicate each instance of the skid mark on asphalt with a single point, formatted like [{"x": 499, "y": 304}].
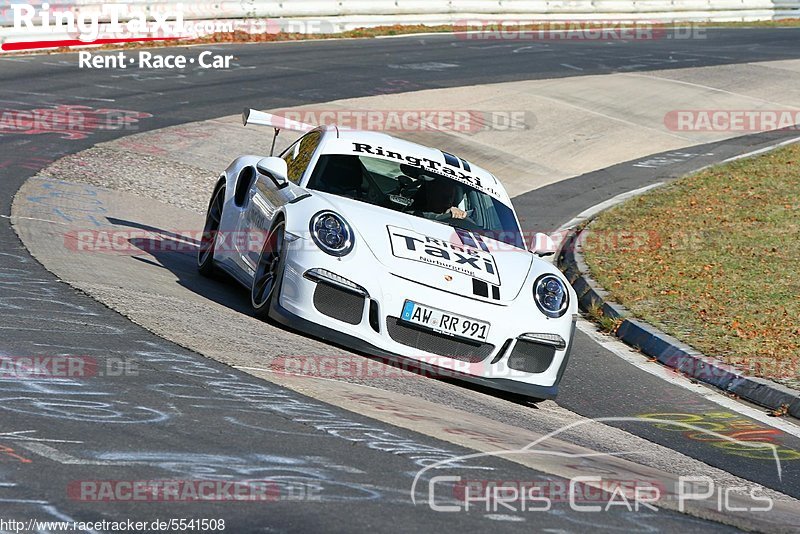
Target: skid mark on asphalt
[
  {"x": 198, "y": 387},
  {"x": 322, "y": 474},
  {"x": 732, "y": 426},
  {"x": 207, "y": 389},
  {"x": 694, "y": 404},
  {"x": 190, "y": 385},
  {"x": 14, "y": 504},
  {"x": 459, "y": 427}
]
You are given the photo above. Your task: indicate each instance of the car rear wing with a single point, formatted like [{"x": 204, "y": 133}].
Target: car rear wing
[{"x": 259, "y": 118}]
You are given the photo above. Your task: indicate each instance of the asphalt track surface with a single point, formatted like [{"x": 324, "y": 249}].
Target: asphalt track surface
[{"x": 189, "y": 413}]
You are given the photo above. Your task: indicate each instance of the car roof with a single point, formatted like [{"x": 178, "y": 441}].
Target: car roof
[{"x": 337, "y": 141}]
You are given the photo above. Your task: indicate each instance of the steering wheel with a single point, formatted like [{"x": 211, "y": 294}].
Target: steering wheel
[
  {"x": 374, "y": 193},
  {"x": 467, "y": 223}
]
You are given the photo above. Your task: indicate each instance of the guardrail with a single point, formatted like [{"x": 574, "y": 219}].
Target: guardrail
[
  {"x": 335, "y": 16},
  {"x": 343, "y": 8}
]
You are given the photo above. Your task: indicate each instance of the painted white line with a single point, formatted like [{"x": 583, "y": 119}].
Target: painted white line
[
  {"x": 503, "y": 517},
  {"x": 640, "y": 361},
  {"x": 594, "y": 210},
  {"x": 430, "y": 66},
  {"x": 591, "y": 111},
  {"x": 67, "y": 459},
  {"x": 18, "y": 436},
  {"x": 421, "y": 34},
  {"x": 50, "y": 95},
  {"x": 762, "y": 150},
  {"x": 709, "y": 88},
  {"x": 17, "y": 218}
]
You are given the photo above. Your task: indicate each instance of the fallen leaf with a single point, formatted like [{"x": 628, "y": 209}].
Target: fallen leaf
[{"x": 780, "y": 412}]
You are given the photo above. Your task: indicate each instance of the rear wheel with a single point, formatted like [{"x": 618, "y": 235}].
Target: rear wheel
[
  {"x": 205, "y": 256},
  {"x": 269, "y": 272}
]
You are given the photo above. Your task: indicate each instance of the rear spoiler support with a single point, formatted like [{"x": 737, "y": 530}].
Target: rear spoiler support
[
  {"x": 274, "y": 138},
  {"x": 259, "y": 118}
]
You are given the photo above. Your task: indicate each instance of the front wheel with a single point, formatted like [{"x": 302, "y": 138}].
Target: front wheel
[
  {"x": 205, "y": 256},
  {"x": 269, "y": 272}
]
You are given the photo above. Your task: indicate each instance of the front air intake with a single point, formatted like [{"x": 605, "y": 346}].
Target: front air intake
[
  {"x": 338, "y": 303},
  {"x": 435, "y": 343},
  {"x": 530, "y": 357}
]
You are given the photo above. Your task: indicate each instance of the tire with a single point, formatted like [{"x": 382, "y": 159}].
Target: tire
[
  {"x": 205, "y": 256},
  {"x": 269, "y": 271}
]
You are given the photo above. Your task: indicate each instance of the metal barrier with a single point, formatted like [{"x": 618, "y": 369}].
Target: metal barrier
[{"x": 335, "y": 16}]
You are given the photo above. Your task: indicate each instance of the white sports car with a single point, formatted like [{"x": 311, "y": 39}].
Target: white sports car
[{"x": 393, "y": 249}]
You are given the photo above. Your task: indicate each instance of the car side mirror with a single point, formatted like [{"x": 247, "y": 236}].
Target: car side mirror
[
  {"x": 274, "y": 169},
  {"x": 543, "y": 245}
]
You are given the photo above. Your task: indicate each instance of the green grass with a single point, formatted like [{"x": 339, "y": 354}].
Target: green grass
[
  {"x": 714, "y": 260},
  {"x": 606, "y": 324}
]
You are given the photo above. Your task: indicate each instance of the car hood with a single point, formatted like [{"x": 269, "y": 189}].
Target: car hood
[{"x": 435, "y": 254}]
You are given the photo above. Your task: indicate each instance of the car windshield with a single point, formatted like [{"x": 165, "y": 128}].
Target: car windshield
[{"x": 408, "y": 189}]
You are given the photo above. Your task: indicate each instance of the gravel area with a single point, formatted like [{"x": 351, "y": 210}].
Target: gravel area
[{"x": 154, "y": 177}]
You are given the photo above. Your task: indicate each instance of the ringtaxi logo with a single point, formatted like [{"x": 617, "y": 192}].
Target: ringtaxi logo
[
  {"x": 118, "y": 19},
  {"x": 50, "y": 26}
]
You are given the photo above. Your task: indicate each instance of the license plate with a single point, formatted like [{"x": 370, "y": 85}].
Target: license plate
[{"x": 445, "y": 322}]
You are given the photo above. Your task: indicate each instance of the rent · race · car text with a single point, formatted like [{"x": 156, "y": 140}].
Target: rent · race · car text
[{"x": 148, "y": 60}]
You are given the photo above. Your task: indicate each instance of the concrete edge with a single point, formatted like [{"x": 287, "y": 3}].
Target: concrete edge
[{"x": 666, "y": 349}]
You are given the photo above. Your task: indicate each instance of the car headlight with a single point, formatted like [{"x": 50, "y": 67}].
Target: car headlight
[
  {"x": 551, "y": 296},
  {"x": 332, "y": 234}
]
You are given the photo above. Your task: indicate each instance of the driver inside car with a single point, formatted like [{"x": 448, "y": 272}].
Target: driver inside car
[{"x": 438, "y": 199}]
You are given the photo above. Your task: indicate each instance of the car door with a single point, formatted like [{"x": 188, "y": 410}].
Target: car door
[{"x": 265, "y": 198}]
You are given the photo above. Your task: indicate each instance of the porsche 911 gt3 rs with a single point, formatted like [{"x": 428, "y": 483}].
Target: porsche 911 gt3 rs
[{"x": 393, "y": 249}]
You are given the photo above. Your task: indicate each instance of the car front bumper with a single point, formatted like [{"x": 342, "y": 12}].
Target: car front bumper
[{"x": 361, "y": 312}]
